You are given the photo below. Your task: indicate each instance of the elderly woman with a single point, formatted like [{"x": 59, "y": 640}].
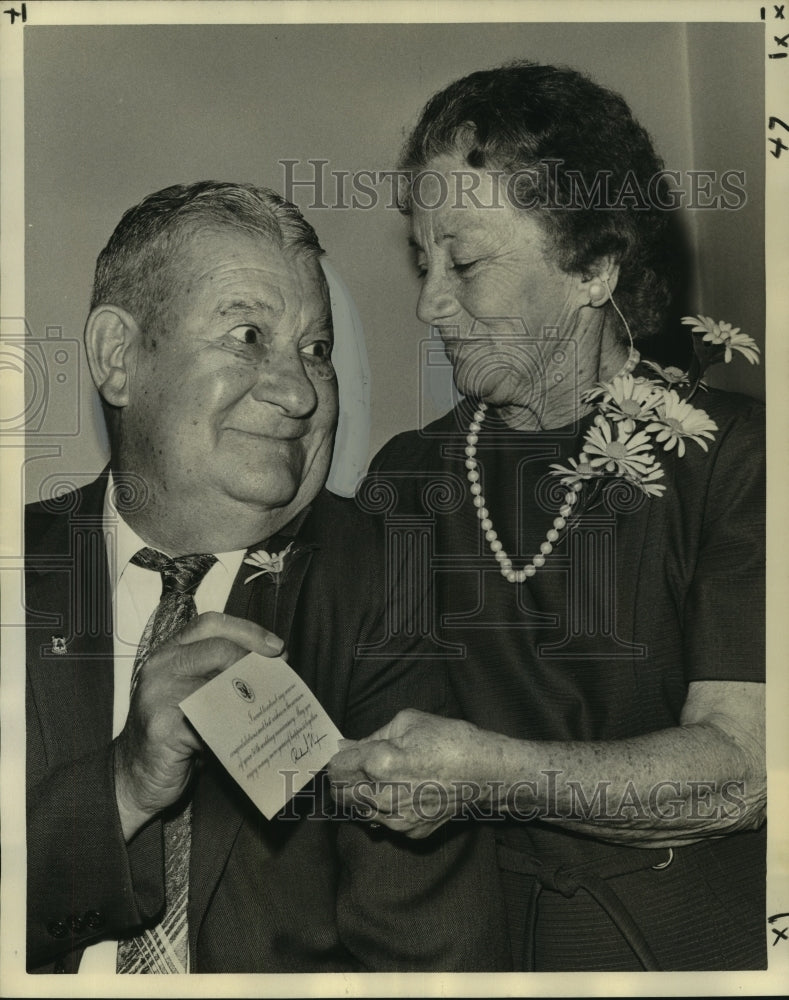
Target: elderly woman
[{"x": 595, "y": 540}]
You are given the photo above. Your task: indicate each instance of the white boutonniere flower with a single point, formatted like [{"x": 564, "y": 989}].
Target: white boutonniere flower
[{"x": 270, "y": 563}]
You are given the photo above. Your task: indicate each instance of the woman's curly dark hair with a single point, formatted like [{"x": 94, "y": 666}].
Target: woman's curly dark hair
[{"x": 579, "y": 161}]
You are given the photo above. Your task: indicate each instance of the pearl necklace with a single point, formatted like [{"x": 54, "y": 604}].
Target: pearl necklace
[{"x": 508, "y": 571}]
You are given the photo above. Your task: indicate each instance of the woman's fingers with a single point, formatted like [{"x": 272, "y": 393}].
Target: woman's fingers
[{"x": 412, "y": 775}]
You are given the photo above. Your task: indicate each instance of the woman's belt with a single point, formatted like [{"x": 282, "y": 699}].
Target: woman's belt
[{"x": 592, "y": 877}]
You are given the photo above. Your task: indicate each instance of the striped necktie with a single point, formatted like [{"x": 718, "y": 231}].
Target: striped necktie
[{"x": 165, "y": 947}]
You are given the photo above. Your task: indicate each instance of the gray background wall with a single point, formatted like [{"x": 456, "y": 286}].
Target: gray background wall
[{"x": 113, "y": 113}]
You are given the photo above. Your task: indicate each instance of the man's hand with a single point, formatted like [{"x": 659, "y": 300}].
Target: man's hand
[
  {"x": 155, "y": 751},
  {"x": 416, "y": 772}
]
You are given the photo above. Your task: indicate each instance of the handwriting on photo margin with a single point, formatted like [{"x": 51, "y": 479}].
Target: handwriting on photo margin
[
  {"x": 14, "y": 14},
  {"x": 779, "y": 143},
  {"x": 780, "y": 934},
  {"x": 782, "y": 41}
]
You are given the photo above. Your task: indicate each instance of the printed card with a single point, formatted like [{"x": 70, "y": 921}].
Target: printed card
[{"x": 266, "y": 727}]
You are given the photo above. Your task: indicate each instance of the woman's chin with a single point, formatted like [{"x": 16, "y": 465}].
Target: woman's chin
[{"x": 499, "y": 393}]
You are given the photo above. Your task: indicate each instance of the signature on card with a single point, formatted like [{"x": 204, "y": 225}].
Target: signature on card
[{"x": 310, "y": 742}]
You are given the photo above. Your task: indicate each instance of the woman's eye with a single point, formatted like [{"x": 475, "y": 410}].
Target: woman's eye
[
  {"x": 246, "y": 334},
  {"x": 320, "y": 349}
]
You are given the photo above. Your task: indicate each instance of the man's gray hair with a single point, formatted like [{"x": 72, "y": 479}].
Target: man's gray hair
[{"x": 133, "y": 270}]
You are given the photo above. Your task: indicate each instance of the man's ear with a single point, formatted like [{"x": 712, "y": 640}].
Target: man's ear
[
  {"x": 112, "y": 339},
  {"x": 599, "y": 283}
]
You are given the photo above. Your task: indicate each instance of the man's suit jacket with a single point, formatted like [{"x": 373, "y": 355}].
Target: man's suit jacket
[{"x": 288, "y": 895}]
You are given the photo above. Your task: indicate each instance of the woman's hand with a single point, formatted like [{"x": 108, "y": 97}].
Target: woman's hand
[{"x": 416, "y": 772}]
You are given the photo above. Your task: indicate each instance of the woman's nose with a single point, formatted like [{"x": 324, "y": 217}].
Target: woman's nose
[
  {"x": 283, "y": 382},
  {"x": 436, "y": 301}
]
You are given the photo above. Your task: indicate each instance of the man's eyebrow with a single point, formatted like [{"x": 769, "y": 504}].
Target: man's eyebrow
[
  {"x": 243, "y": 307},
  {"x": 324, "y": 326}
]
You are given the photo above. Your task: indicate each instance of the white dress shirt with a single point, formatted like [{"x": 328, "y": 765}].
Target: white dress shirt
[{"x": 135, "y": 595}]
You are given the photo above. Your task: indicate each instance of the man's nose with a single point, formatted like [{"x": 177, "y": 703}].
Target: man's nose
[
  {"x": 436, "y": 301},
  {"x": 283, "y": 382}
]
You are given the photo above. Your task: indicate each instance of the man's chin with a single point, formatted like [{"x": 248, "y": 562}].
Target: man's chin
[
  {"x": 272, "y": 492},
  {"x": 282, "y": 484},
  {"x": 264, "y": 498}
]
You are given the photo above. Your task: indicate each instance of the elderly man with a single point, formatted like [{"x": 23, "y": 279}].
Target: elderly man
[{"x": 209, "y": 340}]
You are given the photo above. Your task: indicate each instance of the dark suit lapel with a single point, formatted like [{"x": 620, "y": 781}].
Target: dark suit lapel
[
  {"x": 287, "y": 590},
  {"x": 68, "y": 604},
  {"x": 269, "y": 601},
  {"x": 219, "y": 805}
]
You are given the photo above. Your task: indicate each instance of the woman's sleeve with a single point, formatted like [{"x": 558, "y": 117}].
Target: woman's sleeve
[{"x": 725, "y": 608}]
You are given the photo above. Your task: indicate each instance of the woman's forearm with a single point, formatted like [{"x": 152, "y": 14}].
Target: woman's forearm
[
  {"x": 704, "y": 777},
  {"x": 664, "y": 789}
]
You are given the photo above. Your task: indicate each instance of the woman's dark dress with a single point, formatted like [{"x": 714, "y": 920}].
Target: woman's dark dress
[{"x": 639, "y": 598}]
